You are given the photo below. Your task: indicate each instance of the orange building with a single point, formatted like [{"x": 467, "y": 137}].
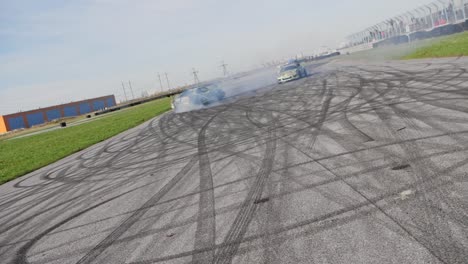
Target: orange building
[
  {"x": 2, "y": 125},
  {"x": 43, "y": 115}
]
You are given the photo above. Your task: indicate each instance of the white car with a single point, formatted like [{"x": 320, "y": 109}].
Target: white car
[{"x": 291, "y": 72}]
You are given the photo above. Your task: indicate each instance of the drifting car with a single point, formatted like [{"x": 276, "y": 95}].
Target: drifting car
[
  {"x": 291, "y": 72},
  {"x": 293, "y": 62},
  {"x": 327, "y": 55},
  {"x": 200, "y": 96}
]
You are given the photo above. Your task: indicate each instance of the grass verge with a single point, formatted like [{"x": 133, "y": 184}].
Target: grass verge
[
  {"x": 450, "y": 46},
  {"x": 39, "y": 128},
  {"x": 23, "y": 155}
]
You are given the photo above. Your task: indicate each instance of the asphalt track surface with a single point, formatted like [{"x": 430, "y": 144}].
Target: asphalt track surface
[{"x": 358, "y": 163}]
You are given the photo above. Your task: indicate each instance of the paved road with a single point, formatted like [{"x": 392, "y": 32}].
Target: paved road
[{"x": 359, "y": 163}]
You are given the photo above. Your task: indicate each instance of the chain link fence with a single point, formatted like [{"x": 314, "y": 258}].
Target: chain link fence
[{"x": 435, "y": 19}]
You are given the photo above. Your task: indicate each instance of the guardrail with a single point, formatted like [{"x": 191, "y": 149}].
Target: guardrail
[{"x": 438, "y": 18}]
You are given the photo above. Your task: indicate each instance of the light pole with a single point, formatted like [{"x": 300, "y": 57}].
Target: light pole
[
  {"x": 431, "y": 16},
  {"x": 407, "y": 17},
  {"x": 444, "y": 10},
  {"x": 380, "y": 29},
  {"x": 400, "y": 24},
  {"x": 376, "y": 32},
  {"x": 454, "y": 11},
  {"x": 464, "y": 9},
  {"x": 411, "y": 18},
  {"x": 369, "y": 35},
  {"x": 437, "y": 12},
  {"x": 423, "y": 12}
]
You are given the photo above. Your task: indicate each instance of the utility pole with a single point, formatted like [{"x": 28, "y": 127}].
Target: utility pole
[
  {"x": 160, "y": 82},
  {"x": 131, "y": 90},
  {"x": 167, "y": 79},
  {"x": 125, "y": 93},
  {"x": 224, "y": 66},
  {"x": 195, "y": 76}
]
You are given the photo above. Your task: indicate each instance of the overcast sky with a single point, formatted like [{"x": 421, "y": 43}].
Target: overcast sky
[{"x": 57, "y": 51}]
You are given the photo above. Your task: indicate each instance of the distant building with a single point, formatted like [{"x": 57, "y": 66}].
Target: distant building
[{"x": 43, "y": 115}]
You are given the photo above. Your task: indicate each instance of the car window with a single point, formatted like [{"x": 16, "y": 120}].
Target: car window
[
  {"x": 288, "y": 68},
  {"x": 202, "y": 90}
]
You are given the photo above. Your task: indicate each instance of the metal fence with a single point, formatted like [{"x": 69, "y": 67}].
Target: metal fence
[{"x": 426, "y": 18}]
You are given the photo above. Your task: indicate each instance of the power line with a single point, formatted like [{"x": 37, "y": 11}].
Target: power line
[
  {"x": 125, "y": 93},
  {"x": 167, "y": 79},
  {"x": 224, "y": 66},
  {"x": 160, "y": 82},
  {"x": 195, "y": 76},
  {"x": 131, "y": 90}
]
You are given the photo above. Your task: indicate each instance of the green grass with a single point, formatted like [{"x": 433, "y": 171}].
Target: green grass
[
  {"x": 451, "y": 46},
  {"x": 23, "y": 155},
  {"x": 40, "y": 127}
]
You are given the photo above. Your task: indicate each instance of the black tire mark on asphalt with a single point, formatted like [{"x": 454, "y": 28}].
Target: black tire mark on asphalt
[
  {"x": 430, "y": 218},
  {"x": 313, "y": 186},
  {"x": 270, "y": 217},
  {"x": 347, "y": 123},
  {"x": 132, "y": 219},
  {"x": 205, "y": 235},
  {"x": 433, "y": 227},
  {"x": 327, "y": 218},
  {"x": 21, "y": 254},
  {"x": 237, "y": 231}
]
